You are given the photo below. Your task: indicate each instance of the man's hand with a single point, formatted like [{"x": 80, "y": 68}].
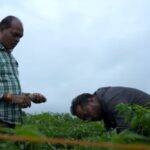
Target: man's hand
[
  {"x": 37, "y": 98},
  {"x": 22, "y": 100}
]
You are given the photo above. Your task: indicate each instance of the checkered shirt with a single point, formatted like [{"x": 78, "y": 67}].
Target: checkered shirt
[{"x": 9, "y": 83}]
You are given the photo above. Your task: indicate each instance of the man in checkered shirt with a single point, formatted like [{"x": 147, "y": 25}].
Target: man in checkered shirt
[{"x": 12, "y": 100}]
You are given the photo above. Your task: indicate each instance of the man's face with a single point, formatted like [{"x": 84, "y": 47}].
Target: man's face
[
  {"x": 90, "y": 111},
  {"x": 11, "y": 36}
]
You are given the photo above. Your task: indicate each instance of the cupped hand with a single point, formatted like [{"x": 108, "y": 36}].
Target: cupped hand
[{"x": 37, "y": 98}]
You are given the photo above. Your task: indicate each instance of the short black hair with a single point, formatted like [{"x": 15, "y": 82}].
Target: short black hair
[
  {"x": 6, "y": 22},
  {"x": 81, "y": 100}
]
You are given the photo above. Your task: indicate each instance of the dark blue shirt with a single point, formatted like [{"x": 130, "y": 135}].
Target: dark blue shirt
[{"x": 109, "y": 97}]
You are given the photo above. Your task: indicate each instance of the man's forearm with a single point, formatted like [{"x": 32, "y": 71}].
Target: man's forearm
[
  {"x": 22, "y": 100},
  {"x": 7, "y": 98}
]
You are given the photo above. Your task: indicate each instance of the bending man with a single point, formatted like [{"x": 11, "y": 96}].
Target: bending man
[{"x": 101, "y": 105}]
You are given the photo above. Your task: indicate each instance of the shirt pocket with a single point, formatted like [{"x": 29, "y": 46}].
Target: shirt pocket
[{"x": 8, "y": 67}]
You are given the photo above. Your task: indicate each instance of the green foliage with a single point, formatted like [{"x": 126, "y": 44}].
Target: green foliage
[
  {"x": 137, "y": 116},
  {"x": 55, "y": 125},
  {"x": 129, "y": 137},
  {"x": 63, "y": 125}
]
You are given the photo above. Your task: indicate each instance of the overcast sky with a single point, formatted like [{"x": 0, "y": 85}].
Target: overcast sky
[{"x": 75, "y": 46}]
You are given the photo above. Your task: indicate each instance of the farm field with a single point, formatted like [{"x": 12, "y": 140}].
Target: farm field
[{"x": 64, "y": 126}]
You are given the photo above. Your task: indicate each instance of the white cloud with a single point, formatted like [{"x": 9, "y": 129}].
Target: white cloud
[{"x": 71, "y": 47}]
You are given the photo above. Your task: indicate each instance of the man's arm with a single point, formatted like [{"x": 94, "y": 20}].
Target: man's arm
[
  {"x": 120, "y": 123},
  {"x": 22, "y": 100},
  {"x": 36, "y": 97}
]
